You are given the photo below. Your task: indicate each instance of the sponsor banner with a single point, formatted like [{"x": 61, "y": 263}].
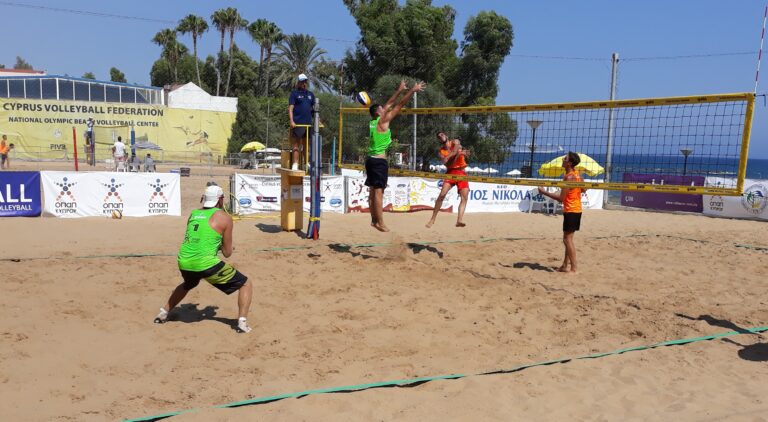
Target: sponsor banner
[
  {"x": 43, "y": 128},
  {"x": 331, "y": 194},
  {"x": 254, "y": 194},
  {"x": 488, "y": 197},
  {"x": 93, "y": 194},
  {"x": 403, "y": 194},
  {"x": 20, "y": 194},
  {"x": 352, "y": 173},
  {"x": 663, "y": 201},
  {"x": 752, "y": 204}
]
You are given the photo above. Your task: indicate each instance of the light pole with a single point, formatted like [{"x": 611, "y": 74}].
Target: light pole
[
  {"x": 533, "y": 124},
  {"x": 686, "y": 152}
]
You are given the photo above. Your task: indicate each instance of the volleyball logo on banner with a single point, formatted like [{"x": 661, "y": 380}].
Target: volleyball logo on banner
[
  {"x": 158, "y": 203},
  {"x": 755, "y": 199},
  {"x": 66, "y": 203},
  {"x": 112, "y": 200}
]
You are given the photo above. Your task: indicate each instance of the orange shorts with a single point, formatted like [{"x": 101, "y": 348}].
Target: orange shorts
[{"x": 463, "y": 184}]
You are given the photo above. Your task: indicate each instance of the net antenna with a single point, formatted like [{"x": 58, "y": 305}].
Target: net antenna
[{"x": 760, "y": 51}]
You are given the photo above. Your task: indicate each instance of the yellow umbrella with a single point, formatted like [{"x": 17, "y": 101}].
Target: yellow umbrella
[
  {"x": 252, "y": 146},
  {"x": 588, "y": 165}
]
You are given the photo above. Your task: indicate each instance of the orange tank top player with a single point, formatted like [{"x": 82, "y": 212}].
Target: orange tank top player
[
  {"x": 572, "y": 200},
  {"x": 458, "y": 162}
]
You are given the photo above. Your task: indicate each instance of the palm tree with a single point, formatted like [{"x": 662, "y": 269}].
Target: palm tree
[
  {"x": 266, "y": 34},
  {"x": 219, "y": 20},
  {"x": 236, "y": 23},
  {"x": 166, "y": 39},
  {"x": 196, "y": 26},
  {"x": 299, "y": 53}
]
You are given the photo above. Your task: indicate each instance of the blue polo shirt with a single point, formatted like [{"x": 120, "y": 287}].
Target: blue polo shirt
[{"x": 302, "y": 101}]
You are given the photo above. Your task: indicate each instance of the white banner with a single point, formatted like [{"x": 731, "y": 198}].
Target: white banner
[
  {"x": 752, "y": 204},
  {"x": 92, "y": 194},
  {"x": 403, "y": 194},
  {"x": 254, "y": 194},
  {"x": 488, "y": 197},
  {"x": 331, "y": 194}
]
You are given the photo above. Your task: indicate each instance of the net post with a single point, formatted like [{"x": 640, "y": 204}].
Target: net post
[
  {"x": 341, "y": 131},
  {"x": 413, "y": 153},
  {"x": 745, "y": 144},
  {"x": 133, "y": 141},
  {"x": 315, "y": 175},
  {"x": 609, "y": 146},
  {"x": 74, "y": 146}
]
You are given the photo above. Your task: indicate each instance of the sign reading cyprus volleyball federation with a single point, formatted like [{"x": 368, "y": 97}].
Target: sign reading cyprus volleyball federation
[
  {"x": 43, "y": 128},
  {"x": 99, "y": 194}
]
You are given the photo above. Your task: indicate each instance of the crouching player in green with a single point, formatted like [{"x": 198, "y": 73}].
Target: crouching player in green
[{"x": 209, "y": 230}]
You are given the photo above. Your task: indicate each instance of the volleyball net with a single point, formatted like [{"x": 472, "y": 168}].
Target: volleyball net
[{"x": 668, "y": 144}]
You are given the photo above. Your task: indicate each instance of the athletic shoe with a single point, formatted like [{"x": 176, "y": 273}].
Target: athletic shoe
[
  {"x": 162, "y": 317},
  {"x": 295, "y": 166},
  {"x": 242, "y": 326}
]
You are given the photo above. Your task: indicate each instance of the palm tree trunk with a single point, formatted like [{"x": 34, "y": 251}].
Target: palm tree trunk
[
  {"x": 176, "y": 64},
  {"x": 197, "y": 67},
  {"x": 261, "y": 69},
  {"x": 267, "y": 60},
  {"x": 218, "y": 64},
  {"x": 229, "y": 71}
]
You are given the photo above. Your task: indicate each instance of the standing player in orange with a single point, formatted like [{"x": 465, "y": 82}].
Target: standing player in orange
[
  {"x": 452, "y": 156},
  {"x": 571, "y": 199}
]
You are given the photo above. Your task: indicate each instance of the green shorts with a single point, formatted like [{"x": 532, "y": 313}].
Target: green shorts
[{"x": 221, "y": 276}]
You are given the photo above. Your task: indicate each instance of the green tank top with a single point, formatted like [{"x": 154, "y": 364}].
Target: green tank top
[
  {"x": 201, "y": 243},
  {"x": 379, "y": 141}
]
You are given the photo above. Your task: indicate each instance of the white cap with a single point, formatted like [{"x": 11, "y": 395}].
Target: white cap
[
  {"x": 212, "y": 195},
  {"x": 302, "y": 77}
]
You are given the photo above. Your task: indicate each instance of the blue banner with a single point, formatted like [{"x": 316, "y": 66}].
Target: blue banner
[{"x": 20, "y": 194}]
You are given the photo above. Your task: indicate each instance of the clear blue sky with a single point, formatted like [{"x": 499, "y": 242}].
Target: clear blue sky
[{"x": 74, "y": 44}]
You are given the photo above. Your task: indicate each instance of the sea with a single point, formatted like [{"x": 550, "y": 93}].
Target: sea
[{"x": 757, "y": 168}]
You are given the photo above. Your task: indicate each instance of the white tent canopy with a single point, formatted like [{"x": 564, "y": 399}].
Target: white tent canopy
[{"x": 191, "y": 96}]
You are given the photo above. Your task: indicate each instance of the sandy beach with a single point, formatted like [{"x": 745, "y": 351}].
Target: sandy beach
[{"x": 78, "y": 341}]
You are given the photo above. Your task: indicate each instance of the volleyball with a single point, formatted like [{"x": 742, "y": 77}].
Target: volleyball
[
  {"x": 363, "y": 98},
  {"x": 117, "y": 214}
]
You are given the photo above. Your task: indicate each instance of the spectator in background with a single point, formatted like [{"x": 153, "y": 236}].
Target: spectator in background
[
  {"x": 300, "y": 105},
  {"x": 118, "y": 151},
  {"x": 5, "y": 150},
  {"x": 149, "y": 164},
  {"x": 135, "y": 163},
  {"x": 90, "y": 142}
]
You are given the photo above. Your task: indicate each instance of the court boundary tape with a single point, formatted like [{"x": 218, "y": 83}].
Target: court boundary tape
[
  {"x": 413, "y": 382},
  {"x": 382, "y": 244}
]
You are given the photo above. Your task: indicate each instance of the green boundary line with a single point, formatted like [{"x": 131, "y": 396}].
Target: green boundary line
[
  {"x": 419, "y": 381},
  {"x": 374, "y": 245}
]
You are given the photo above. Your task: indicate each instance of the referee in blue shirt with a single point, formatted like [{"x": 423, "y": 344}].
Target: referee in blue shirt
[{"x": 300, "y": 105}]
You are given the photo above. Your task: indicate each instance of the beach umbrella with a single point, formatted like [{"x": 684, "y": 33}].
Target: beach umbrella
[
  {"x": 252, "y": 146},
  {"x": 554, "y": 168},
  {"x": 514, "y": 172}
]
